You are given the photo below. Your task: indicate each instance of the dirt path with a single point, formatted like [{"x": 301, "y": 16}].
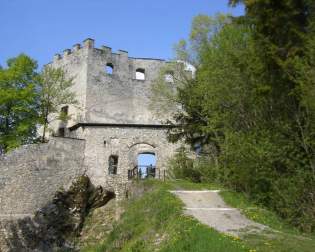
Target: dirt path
[{"x": 210, "y": 209}]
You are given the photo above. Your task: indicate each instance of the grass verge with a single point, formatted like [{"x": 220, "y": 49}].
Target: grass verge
[{"x": 280, "y": 237}]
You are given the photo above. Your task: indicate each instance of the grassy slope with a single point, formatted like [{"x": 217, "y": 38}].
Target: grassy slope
[
  {"x": 282, "y": 237},
  {"x": 155, "y": 222}
]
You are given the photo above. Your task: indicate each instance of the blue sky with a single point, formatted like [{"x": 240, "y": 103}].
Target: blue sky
[
  {"x": 41, "y": 28},
  {"x": 146, "y": 159}
]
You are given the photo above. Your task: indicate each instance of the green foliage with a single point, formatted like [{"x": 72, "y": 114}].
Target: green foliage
[
  {"x": 18, "y": 103},
  {"x": 203, "y": 29},
  {"x": 54, "y": 91},
  {"x": 251, "y": 106},
  {"x": 28, "y": 99},
  {"x": 163, "y": 94},
  {"x": 181, "y": 166}
]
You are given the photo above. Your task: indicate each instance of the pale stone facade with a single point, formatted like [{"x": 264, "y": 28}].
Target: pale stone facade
[{"x": 113, "y": 114}]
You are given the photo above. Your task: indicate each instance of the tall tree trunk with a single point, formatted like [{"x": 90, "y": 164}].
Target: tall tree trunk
[
  {"x": 45, "y": 125},
  {"x": 44, "y": 132}
]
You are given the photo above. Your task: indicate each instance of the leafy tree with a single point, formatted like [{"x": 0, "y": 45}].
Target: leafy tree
[
  {"x": 181, "y": 166},
  {"x": 252, "y": 104},
  {"x": 18, "y": 114},
  {"x": 163, "y": 94},
  {"x": 54, "y": 91}
]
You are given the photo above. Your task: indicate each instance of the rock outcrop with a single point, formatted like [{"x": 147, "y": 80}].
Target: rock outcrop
[{"x": 54, "y": 226}]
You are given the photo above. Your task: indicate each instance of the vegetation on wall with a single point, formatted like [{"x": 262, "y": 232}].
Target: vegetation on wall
[
  {"x": 251, "y": 106},
  {"x": 54, "y": 91}
]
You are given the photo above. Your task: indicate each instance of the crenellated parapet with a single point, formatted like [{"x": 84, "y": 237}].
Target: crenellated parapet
[
  {"x": 87, "y": 44},
  {"x": 76, "y": 49},
  {"x": 111, "y": 87}
]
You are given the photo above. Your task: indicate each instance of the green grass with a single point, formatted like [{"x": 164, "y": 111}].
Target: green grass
[
  {"x": 256, "y": 213},
  {"x": 187, "y": 185},
  {"x": 155, "y": 221},
  {"x": 281, "y": 236}
]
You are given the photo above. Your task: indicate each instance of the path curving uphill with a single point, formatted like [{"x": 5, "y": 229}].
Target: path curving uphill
[{"x": 209, "y": 208}]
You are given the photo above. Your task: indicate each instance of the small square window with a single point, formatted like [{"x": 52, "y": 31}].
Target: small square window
[{"x": 140, "y": 74}]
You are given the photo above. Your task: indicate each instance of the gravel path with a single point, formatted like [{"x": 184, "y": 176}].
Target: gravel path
[{"x": 210, "y": 209}]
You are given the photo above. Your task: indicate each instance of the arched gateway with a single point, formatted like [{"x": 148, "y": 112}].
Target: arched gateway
[{"x": 114, "y": 117}]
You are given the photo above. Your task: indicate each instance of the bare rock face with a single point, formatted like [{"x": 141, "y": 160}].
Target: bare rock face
[{"x": 54, "y": 226}]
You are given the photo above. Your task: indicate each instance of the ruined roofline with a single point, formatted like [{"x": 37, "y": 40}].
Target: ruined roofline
[
  {"x": 147, "y": 58},
  {"x": 89, "y": 44},
  {"x": 121, "y": 125}
]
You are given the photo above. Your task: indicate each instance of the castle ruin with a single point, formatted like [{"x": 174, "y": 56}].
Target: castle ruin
[{"x": 108, "y": 129}]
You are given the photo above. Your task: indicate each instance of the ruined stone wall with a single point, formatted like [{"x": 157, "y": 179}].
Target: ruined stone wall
[
  {"x": 74, "y": 63},
  {"x": 120, "y": 97},
  {"x": 109, "y": 98},
  {"x": 125, "y": 142},
  {"x": 30, "y": 175}
]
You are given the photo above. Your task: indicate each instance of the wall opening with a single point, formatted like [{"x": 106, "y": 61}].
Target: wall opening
[
  {"x": 140, "y": 74},
  {"x": 146, "y": 165},
  {"x": 64, "y": 110},
  {"x": 61, "y": 132},
  {"x": 109, "y": 68},
  {"x": 112, "y": 164},
  {"x": 169, "y": 77}
]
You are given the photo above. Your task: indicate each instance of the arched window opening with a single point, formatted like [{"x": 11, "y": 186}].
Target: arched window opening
[
  {"x": 112, "y": 164},
  {"x": 109, "y": 68},
  {"x": 146, "y": 165},
  {"x": 64, "y": 110},
  {"x": 140, "y": 74},
  {"x": 169, "y": 77},
  {"x": 61, "y": 132}
]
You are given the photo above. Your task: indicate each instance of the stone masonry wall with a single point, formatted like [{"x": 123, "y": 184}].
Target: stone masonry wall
[
  {"x": 125, "y": 142},
  {"x": 109, "y": 98},
  {"x": 30, "y": 175},
  {"x": 119, "y": 97}
]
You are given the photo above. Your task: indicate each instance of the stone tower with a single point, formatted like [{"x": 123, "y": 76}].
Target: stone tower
[{"x": 113, "y": 116}]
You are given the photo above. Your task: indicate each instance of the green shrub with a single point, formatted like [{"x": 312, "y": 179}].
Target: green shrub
[{"x": 182, "y": 167}]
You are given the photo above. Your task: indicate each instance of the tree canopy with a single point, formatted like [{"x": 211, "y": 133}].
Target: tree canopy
[
  {"x": 251, "y": 106},
  {"x": 29, "y": 99},
  {"x": 54, "y": 91},
  {"x": 18, "y": 102}
]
